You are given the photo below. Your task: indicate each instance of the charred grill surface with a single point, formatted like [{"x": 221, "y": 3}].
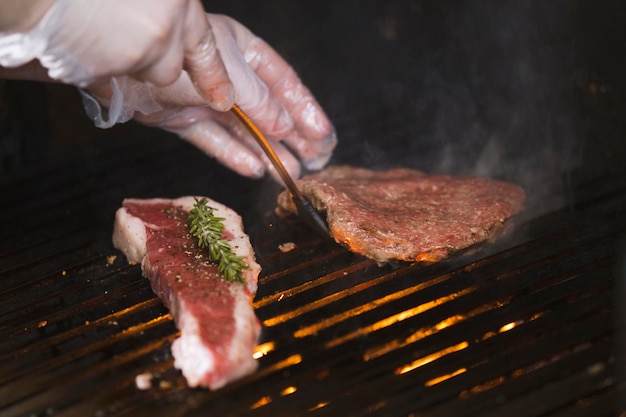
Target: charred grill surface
[{"x": 527, "y": 326}]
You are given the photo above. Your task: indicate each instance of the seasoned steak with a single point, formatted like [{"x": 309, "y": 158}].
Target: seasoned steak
[
  {"x": 219, "y": 329},
  {"x": 406, "y": 214}
]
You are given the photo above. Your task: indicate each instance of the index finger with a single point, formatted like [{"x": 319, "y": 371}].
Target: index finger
[{"x": 203, "y": 61}]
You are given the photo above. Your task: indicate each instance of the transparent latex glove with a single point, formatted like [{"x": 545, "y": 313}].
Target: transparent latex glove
[
  {"x": 81, "y": 42},
  {"x": 266, "y": 88}
]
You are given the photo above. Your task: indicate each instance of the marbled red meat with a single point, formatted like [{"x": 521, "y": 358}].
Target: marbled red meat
[
  {"x": 219, "y": 329},
  {"x": 405, "y": 214}
]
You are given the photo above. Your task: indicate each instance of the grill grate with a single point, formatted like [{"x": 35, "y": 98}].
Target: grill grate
[{"x": 524, "y": 326}]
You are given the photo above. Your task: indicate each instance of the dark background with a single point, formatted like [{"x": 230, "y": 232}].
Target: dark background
[{"x": 530, "y": 92}]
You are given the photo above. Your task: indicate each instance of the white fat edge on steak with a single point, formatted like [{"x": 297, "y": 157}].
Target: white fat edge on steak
[
  {"x": 196, "y": 360},
  {"x": 191, "y": 355}
]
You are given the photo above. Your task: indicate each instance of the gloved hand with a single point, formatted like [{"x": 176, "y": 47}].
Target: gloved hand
[
  {"x": 266, "y": 88},
  {"x": 81, "y": 42}
]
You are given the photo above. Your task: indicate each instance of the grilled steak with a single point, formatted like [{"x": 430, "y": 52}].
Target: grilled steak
[
  {"x": 406, "y": 214},
  {"x": 219, "y": 329}
]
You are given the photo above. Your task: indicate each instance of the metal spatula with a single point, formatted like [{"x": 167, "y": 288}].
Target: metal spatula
[{"x": 306, "y": 211}]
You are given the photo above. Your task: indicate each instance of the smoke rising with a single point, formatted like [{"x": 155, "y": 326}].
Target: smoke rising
[{"x": 471, "y": 88}]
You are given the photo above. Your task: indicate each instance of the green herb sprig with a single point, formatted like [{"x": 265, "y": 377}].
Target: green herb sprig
[{"x": 208, "y": 229}]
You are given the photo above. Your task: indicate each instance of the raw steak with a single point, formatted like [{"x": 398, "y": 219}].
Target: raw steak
[
  {"x": 406, "y": 214},
  {"x": 219, "y": 329}
]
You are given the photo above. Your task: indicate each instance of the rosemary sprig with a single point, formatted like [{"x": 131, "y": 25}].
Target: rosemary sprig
[{"x": 208, "y": 229}]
